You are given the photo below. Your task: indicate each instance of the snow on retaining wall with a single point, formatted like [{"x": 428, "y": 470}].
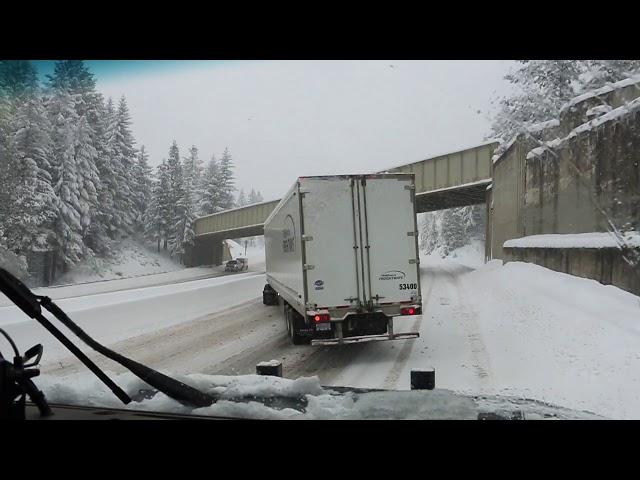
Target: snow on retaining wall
[
  {"x": 575, "y": 240},
  {"x": 600, "y": 91}
]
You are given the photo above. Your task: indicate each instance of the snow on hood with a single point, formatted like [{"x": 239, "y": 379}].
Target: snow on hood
[{"x": 247, "y": 396}]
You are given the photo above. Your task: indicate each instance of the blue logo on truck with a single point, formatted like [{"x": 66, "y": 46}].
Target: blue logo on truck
[{"x": 319, "y": 284}]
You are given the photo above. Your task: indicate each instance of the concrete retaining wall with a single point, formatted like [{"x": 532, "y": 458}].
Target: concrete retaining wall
[
  {"x": 605, "y": 265},
  {"x": 586, "y": 180}
]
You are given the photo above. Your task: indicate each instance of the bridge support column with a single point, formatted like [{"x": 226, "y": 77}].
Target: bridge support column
[
  {"x": 217, "y": 250},
  {"x": 200, "y": 253}
]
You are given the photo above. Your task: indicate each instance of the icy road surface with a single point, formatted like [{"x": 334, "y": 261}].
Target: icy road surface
[{"x": 518, "y": 330}]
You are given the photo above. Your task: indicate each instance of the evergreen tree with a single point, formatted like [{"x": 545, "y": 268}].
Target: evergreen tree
[
  {"x": 143, "y": 186},
  {"x": 18, "y": 82},
  {"x": 29, "y": 222},
  {"x": 176, "y": 205},
  {"x": 88, "y": 178},
  {"x": 184, "y": 226},
  {"x": 74, "y": 78},
  {"x": 193, "y": 172},
  {"x": 242, "y": 200},
  {"x": 225, "y": 181},
  {"x": 124, "y": 159},
  {"x": 597, "y": 73},
  {"x": 184, "y": 234},
  {"x": 103, "y": 227},
  {"x": 210, "y": 200},
  {"x": 17, "y": 78},
  {"x": 255, "y": 197},
  {"x": 157, "y": 216},
  {"x": 68, "y": 226}
]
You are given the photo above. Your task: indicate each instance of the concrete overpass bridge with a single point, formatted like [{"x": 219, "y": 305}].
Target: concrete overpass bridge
[{"x": 452, "y": 180}]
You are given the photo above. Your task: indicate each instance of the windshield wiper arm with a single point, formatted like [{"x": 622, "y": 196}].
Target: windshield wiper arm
[{"x": 32, "y": 304}]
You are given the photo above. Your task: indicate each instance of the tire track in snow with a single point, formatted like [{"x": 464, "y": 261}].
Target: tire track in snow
[
  {"x": 391, "y": 380},
  {"x": 182, "y": 347},
  {"x": 464, "y": 312}
]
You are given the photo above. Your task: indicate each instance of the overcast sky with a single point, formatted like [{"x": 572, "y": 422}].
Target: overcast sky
[{"x": 284, "y": 119}]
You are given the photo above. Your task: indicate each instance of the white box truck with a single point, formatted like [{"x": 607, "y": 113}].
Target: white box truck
[{"x": 342, "y": 258}]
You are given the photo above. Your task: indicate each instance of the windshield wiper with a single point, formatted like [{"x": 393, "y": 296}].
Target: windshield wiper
[{"x": 32, "y": 304}]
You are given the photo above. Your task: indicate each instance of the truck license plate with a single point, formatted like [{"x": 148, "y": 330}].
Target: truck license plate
[{"x": 323, "y": 326}]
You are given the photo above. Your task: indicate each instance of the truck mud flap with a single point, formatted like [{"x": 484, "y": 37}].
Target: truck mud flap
[{"x": 365, "y": 338}]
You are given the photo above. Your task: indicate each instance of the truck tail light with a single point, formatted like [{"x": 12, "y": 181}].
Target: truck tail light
[
  {"x": 321, "y": 317},
  {"x": 410, "y": 311}
]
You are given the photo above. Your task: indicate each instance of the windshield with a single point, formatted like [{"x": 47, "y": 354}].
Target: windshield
[{"x": 476, "y": 219}]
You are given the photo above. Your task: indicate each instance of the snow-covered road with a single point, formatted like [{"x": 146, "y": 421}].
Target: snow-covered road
[{"x": 517, "y": 329}]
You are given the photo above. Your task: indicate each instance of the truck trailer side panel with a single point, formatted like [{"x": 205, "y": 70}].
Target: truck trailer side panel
[{"x": 283, "y": 250}]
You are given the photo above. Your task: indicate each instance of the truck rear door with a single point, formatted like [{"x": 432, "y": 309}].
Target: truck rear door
[
  {"x": 333, "y": 272},
  {"x": 389, "y": 227}
]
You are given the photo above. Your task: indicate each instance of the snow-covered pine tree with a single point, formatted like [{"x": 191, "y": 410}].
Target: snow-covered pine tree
[
  {"x": 68, "y": 226},
  {"x": 5, "y": 170},
  {"x": 186, "y": 204},
  {"x": 157, "y": 215},
  {"x": 184, "y": 226},
  {"x": 124, "y": 159},
  {"x": 194, "y": 170},
  {"x": 255, "y": 197},
  {"x": 242, "y": 199},
  {"x": 542, "y": 87},
  {"x": 88, "y": 180},
  {"x": 446, "y": 230},
  {"x": 175, "y": 199},
  {"x": 74, "y": 77},
  {"x": 17, "y": 77},
  {"x": 103, "y": 227},
  {"x": 225, "y": 181},
  {"x": 210, "y": 200},
  {"x": 28, "y": 224},
  {"x": 597, "y": 73},
  {"x": 18, "y": 81},
  {"x": 143, "y": 187}
]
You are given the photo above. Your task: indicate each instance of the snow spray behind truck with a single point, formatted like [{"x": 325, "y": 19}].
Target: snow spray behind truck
[{"x": 342, "y": 258}]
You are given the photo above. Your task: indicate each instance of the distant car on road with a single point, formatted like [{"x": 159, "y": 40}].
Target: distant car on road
[{"x": 237, "y": 265}]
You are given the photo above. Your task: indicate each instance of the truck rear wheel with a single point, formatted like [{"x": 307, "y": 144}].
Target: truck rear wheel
[
  {"x": 269, "y": 295},
  {"x": 292, "y": 319}
]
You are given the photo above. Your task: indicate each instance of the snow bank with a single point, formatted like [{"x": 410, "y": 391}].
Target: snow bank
[
  {"x": 558, "y": 338},
  {"x": 141, "y": 281},
  {"x": 129, "y": 259},
  {"x": 575, "y": 240}
]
